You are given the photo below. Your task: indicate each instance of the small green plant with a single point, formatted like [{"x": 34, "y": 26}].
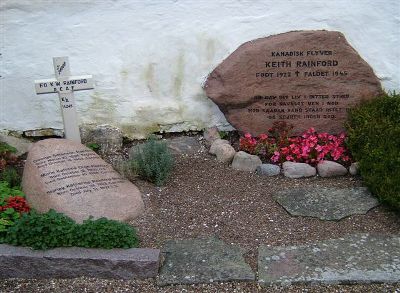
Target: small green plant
[
  {"x": 93, "y": 146},
  {"x": 4, "y": 224},
  {"x": 105, "y": 233},
  {"x": 52, "y": 229},
  {"x": 12, "y": 205},
  {"x": 223, "y": 134},
  {"x": 7, "y": 218},
  {"x": 11, "y": 176},
  {"x": 6, "y": 191},
  {"x": 7, "y": 155},
  {"x": 6, "y": 148},
  {"x": 153, "y": 161},
  {"x": 41, "y": 231},
  {"x": 374, "y": 140}
]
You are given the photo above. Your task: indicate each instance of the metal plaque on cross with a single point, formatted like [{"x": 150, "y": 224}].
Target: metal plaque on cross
[{"x": 65, "y": 85}]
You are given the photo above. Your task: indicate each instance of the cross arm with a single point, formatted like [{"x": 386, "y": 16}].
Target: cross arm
[{"x": 66, "y": 84}]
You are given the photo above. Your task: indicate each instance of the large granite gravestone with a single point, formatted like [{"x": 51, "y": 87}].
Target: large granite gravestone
[
  {"x": 70, "y": 178},
  {"x": 306, "y": 78}
]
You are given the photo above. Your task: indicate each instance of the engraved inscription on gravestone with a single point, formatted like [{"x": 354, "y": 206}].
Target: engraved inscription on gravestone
[
  {"x": 304, "y": 65},
  {"x": 58, "y": 180},
  {"x": 306, "y": 78}
]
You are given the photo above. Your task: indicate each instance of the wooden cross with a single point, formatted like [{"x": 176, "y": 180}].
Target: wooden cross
[{"x": 65, "y": 85}]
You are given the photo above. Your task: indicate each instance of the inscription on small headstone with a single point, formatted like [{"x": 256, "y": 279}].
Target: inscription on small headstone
[
  {"x": 65, "y": 85},
  {"x": 70, "y": 178},
  {"x": 58, "y": 180},
  {"x": 306, "y": 78}
]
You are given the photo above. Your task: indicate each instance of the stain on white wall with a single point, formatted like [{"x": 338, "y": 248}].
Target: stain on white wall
[{"x": 150, "y": 58}]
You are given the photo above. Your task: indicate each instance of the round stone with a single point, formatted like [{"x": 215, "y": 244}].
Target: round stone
[
  {"x": 268, "y": 170},
  {"x": 72, "y": 179}
]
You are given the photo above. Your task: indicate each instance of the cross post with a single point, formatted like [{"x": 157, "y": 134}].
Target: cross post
[{"x": 65, "y": 85}]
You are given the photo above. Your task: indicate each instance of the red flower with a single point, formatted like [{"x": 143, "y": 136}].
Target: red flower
[
  {"x": 18, "y": 203},
  {"x": 263, "y": 136},
  {"x": 310, "y": 147}
]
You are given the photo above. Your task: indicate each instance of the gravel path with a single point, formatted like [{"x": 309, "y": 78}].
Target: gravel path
[
  {"x": 148, "y": 286},
  {"x": 205, "y": 198}
]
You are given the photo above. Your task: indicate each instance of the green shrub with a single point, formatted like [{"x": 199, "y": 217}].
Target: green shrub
[
  {"x": 374, "y": 140},
  {"x": 11, "y": 176},
  {"x": 153, "y": 161},
  {"x": 223, "y": 134},
  {"x": 9, "y": 215},
  {"x": 7, "y": 219},
  {"x": 7, "y": 155},
  {"x": 4, "y": 224},
  {"x": 42, "y": 231},
  {"x": 6, "y": 191},
  {"x": 7, "y": 159},
  {"x": 6, "y": 148},
  {"x": 52, "y": 229},
  {"x": 104, "y": 233}
]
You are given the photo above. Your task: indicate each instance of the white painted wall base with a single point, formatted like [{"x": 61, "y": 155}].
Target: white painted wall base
[{"x": 150, "y": 58}]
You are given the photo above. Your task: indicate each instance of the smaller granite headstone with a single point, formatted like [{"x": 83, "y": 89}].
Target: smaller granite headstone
[{"x": 70, "y": 178}]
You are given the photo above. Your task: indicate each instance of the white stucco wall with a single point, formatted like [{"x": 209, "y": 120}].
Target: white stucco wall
[{"x": 150, "y": 58}]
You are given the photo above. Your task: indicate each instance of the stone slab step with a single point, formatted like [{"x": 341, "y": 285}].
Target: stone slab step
[
  {"x": 360, "y": 258},
  {"x": 22, "y": 262},
  {"x": 330, "y": 204},
  {"x": 210, "y": 260}
]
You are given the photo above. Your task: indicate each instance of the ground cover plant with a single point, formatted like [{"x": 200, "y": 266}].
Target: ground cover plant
[
  {"x": 311, "y": 147},
  {"x": 153, "y": 161},
  {"x": 374, "y": 140},
  {"x": 7, "y": 155},
  {"x": 11, "y": 176},
  {"x": 12, "y": 206},
  {"x": 8, "y": 160},
  {"x": 105, "y": 233},
  {"x": 52, "y": 229}
]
